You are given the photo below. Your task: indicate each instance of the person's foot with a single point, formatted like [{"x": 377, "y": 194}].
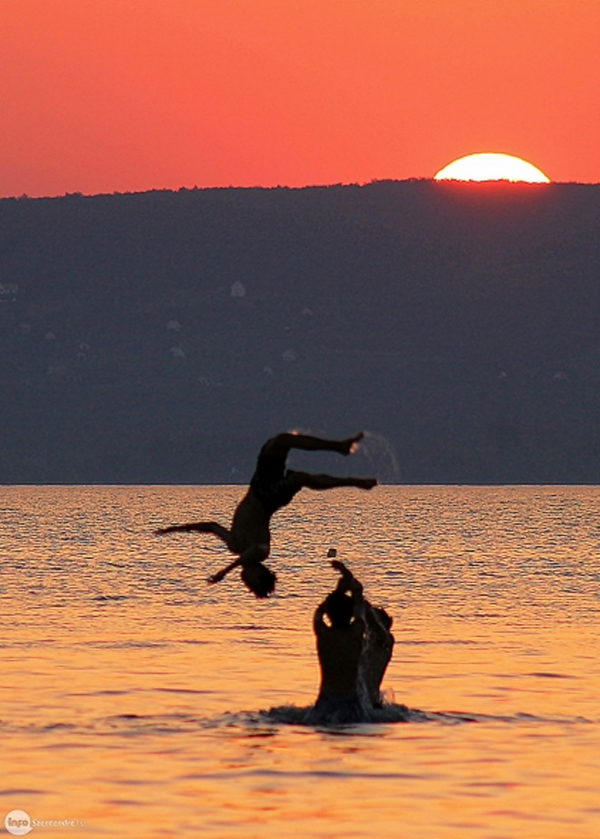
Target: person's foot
[
  {"x": 366, "y": 483},
  {"x": 350, "y": 445}
]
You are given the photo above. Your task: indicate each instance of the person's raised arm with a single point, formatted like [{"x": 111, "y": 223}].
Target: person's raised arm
[
  {"x": 346, "y": 576},
  {"x": 220, "y": 575},
  {"x": 348, "y": 582}
]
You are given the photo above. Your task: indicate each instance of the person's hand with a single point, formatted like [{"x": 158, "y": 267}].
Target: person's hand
[
  {"x": 174, "y": 528},
  {"x": 216, "y": 578},
  {"x": 347, "y": 581},
  {"x": 339, "y": 566}
]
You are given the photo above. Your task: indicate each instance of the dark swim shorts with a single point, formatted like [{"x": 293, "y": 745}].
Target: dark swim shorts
[{"x": 272, "y": 484}]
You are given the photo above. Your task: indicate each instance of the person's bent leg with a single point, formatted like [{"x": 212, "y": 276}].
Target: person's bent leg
[
  {"x": 280, "y": 445},
  {"x": 320, "y": 482}
]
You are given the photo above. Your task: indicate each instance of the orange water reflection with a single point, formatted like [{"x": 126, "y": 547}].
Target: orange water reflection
[{"x": 131, "y": 691}]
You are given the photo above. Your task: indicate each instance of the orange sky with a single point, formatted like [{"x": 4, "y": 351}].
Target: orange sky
[{"x": 128, "y": 95}]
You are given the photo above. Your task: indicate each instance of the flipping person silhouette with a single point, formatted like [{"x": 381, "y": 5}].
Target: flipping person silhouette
[{"x": 271, "y": 488}]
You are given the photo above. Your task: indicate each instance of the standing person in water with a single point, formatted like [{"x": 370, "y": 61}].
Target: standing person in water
[
  {"x": 354, "y": 651},
  {"x": 378, "y": 640},
  {"x": 271, "y": 488},
  {"x": 340, "y": 645},
  {"x": 377, "y": 654}
]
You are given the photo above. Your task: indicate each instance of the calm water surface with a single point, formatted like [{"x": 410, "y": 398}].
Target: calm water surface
[{"x": 131, "y": 693}]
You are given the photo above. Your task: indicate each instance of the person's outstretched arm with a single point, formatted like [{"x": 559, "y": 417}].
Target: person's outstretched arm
[
  {"x": 196, "y": 527},
  {"x": 280, "y": 445},
  {"x": 175, "y": 528},
  {"x": 253, "y": 554},
  {"x": 348, "y": 582},
  {"x": 220, "y": 575}
]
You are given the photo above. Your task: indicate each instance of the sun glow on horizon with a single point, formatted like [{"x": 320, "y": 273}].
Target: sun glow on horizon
[{"x": 492, "y": 166}]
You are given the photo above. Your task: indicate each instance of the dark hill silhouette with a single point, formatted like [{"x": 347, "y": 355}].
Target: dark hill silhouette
[{"x": 161, "y": 337}]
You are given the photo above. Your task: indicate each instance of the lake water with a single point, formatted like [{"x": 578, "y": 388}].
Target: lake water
[{"x": 131, "y": 693}]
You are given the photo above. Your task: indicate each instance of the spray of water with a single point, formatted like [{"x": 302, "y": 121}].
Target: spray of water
[{"x": 379, "y": 453}]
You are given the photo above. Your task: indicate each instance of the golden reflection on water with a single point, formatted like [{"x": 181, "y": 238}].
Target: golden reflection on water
[{"x": 131, "y": 691}]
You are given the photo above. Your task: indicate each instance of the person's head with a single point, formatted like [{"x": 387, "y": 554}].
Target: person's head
[
  {"x": 339, "y": 608},
  {"x": 259, "y": 579}
]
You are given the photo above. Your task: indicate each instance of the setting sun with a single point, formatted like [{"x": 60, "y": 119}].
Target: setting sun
[{"x": 491, "y": 166}]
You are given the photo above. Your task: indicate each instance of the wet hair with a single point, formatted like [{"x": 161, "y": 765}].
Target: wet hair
[
  {"x": 259, "y": 579},
  {"x": 339, "y": 608}
]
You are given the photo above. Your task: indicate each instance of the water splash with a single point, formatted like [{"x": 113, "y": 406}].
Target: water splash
[{"x": 381, "y": 457}]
